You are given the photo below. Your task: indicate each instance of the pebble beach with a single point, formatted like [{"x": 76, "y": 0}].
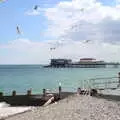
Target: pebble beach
[{"x": 76, "y": 107}]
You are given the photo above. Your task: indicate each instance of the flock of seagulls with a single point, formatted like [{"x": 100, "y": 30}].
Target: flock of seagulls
[
  {"x": 18, "y": 28},
  {"x": 36, "y": 7}
]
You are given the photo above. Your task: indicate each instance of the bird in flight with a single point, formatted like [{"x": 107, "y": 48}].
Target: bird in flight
[
  {"x": 82, "y": 9},
  {"x": 87, "y": 41},
  {"x": 36, "y": 7},
  {"x": 18, "y": 30},
  {"x": 52, "y": 48}
]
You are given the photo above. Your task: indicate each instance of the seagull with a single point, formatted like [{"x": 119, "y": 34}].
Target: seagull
[
  {"x": 82, "y": 9},
  {"x": 35, "y": 7},
  {"x": 87, "y": 41},
  {"x": 52, "y": 48},
  {"x": 18, "y": 30}
]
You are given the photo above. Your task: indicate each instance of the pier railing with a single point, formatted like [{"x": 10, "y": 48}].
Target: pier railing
[{"x": 104, "y": 83}]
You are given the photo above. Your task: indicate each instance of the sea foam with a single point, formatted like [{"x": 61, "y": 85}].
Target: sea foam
[{"x": 6, "y": 110}]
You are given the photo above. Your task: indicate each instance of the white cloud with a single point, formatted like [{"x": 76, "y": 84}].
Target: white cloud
[
  {"x": 117, "y": 1},
  {"x": 96, "y": 21},
  {"x": 70, "y": 24},
  {"x": 24, "y": 51}
]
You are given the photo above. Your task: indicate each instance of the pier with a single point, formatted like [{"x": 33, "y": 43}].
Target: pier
[
  {"x": 112, "y": 64},
  {"x": 83, "y": 63}
]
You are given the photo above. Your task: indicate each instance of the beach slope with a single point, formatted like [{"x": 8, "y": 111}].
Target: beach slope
[{"x": 74, "y": 108}]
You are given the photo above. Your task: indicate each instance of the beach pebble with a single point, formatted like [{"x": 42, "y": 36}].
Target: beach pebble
[{"x": 75, "y": 108}]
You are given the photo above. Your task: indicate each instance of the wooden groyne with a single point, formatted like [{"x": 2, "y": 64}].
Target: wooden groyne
[{"x": 32, "y": 99}]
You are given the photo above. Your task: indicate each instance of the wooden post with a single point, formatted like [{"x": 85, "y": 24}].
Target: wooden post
[
  {"x": 14, "y": 93},
  {"x": 29, "y": 92},
  {"x": 44, "y": 93},
  {"x": 1, "y": 94},
  {"x": 119, "y": 79},
  {"x": 60, "y": 89},
  {"x": 79, "y": 91}
]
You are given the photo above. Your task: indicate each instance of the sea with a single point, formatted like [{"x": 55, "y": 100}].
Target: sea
[{"x": 24, "y": 77}]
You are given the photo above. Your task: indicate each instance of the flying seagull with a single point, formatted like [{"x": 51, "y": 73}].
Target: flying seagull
[
  {"x": 87, "y": 41},
  {"x": 53, "y": 48},
  {"x": 82, "y": 9},
  {"x": 36, "y": 7},
  {"x": 18, "y": 30}
]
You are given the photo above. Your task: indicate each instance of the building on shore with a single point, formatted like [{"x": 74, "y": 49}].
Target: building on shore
[
  {"x": 89, "y": 63},
  {"x": 82, "y": 63},
  {"x": 60, "y": 62}
]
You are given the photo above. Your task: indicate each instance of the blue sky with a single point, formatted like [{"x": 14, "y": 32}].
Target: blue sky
[
  {"x": 55, "y": 18},
  {"x": 12, "y": 13},
  {"x": 108, "y": 2}
]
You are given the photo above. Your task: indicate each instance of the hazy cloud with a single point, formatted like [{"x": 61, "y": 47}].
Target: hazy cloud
[{"x": 24, "y": 51}]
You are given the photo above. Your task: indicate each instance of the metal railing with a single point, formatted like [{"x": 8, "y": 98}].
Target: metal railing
[{"x": 104, "y": 83}]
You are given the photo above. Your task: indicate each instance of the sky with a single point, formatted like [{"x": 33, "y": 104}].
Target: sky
[{"x": 74, "y": 28}]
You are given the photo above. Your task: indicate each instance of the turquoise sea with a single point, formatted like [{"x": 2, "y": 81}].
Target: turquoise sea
[{"x": 23, "y": 77}]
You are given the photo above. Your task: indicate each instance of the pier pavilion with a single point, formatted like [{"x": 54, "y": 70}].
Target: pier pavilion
[{"x": 83, "y": 63}]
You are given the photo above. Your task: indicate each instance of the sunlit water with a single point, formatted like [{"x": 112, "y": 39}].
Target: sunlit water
[{"x": 23, "y": 77}]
